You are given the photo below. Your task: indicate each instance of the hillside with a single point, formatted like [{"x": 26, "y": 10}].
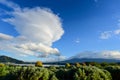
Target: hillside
[
  {"x": 99, "y": 60},
  {"x": 5, "y": 59}
]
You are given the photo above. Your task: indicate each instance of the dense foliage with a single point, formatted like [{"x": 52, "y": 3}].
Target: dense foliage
[
  {"x": 26, "y": 73},
  {"x": 83, "y": 73},
  {"x": 53, "y": 73},
  {"x": 115, "y": 71}
]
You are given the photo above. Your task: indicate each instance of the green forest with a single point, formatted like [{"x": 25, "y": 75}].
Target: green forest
[{"x": 77, "y": 71}]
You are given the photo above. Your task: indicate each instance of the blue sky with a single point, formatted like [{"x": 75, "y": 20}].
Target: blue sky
[{"x": 77, "y": 26}]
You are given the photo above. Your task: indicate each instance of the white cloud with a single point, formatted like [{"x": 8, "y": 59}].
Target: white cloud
[
  {"x": 10, "y": 4},
  {"x": 103, "y": 54},
  {"x": 77, "y": 41},
  {"x": 38, "y": 48},
  {"x": 5, "y": 37},
  {"x": 38, "y": 27},
  {"x": 117, "y": 32},
  {"x": 106, "y": 35},
  {"x": 109, "y": 34}
]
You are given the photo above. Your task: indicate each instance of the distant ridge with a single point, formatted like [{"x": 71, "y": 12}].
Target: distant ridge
[
  {"x": 5, "y": 59},
  {"x": 99, "y": 60}
]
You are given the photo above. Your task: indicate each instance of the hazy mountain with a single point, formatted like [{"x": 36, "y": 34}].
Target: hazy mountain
[
  {"x": 5, "y": 59},
  {"x": 94, "y": 56},
  {"x": 73, "y": 60}
]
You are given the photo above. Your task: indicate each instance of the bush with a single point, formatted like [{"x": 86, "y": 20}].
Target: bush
[
  {"x": 52, "y": 73},
  {"x": 77, "y": 65},
  {"x": 104, "y": 64},
  {"x": 67, "y": 65},
  {"x": 53, "y": 77},
  {"x": 35, "y": 73},
  {"x": 38, "y": 64},
  {"x": 91, "y": 73},
  {"x": 84, "y": 64},
  {"x": 115, "y": 72},
  {"x": 2, "y": 65},
  {"x": 52, "y": 68},
  {"x": 83, "y": 73},
  {"x": 3, "y": 71},
  {"x": 95, "y": 64}
]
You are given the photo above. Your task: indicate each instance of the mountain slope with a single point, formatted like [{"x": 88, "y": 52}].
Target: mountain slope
[
  {"x": 73, "y": 60},
  {"x": 5, "y": 59}
]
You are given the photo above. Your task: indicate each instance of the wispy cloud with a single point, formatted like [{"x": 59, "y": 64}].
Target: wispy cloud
[
  {"x": 106, "y": 35},
  {"x": 5, "y": 37},
  {"x": 38, "y": 29},
  {"x": 117, "y": 32},
  {"x": 77, "y": 41},
  {"x": 10, "y": 4},
  {"x": 109, "y": 34}
]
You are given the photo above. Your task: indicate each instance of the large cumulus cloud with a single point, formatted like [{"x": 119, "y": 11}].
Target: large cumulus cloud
[{"x": 38, "y": 29}]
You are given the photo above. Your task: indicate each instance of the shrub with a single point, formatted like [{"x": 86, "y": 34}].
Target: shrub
[
  {"x": 91, "y": 73},
  {"x": 3, "y": 71},
  {"x": 38, "y": 64},
  {"x": 115, "y": 72},
  {"x": 12, "y": 73},
  {"x": 35, "y": 73},
  {"x": 84, "y": 64},
  {"x": 67, "y": 65},
  {"x": 2, "y": 65},
  {"x": 104, "y": 64},
  {"x": 52, "y": 68},
  {"x": 59, "y": 73},
  {"x": 77, "y": 65},
  {"x": 53, "y": 77},
  {"x": 95, "y": 64}
]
